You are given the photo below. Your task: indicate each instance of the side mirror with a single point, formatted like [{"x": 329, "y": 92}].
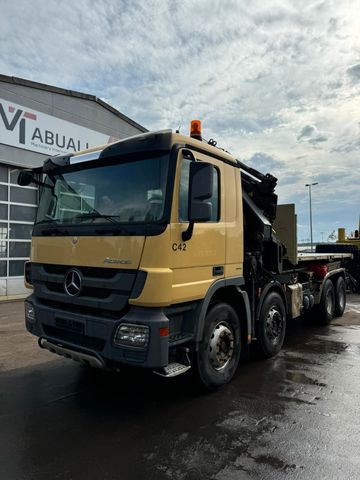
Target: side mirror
[
  {"x": 200, "y": 191},
  {"x": 201, "y": 180},
  {"x": 25, "y": 177}
]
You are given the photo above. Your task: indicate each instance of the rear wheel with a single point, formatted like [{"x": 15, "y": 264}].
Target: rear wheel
[
  {"x": 326, "y": 307},
  {"x": 340, "y": 297},
  {"x": 272, "y": 325},
  {"x": 218, "y": 355}
]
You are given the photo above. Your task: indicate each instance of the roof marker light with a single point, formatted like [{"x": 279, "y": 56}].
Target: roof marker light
[
  {"x": 195, "y": 129},
  {"x": 85, "y": 157}
]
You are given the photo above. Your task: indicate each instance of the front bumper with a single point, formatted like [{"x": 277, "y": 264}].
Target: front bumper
[{"x": 93, "y": 335}]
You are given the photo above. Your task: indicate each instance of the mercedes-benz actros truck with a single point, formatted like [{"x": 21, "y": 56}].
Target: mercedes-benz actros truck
[{"x": 164, "y": 252}]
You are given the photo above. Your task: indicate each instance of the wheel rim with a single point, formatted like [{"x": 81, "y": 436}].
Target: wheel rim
[
  {"x": 329, "y": 303},
  {"x": 221, "y": 346},
  {"x": 274, "y": 324}
]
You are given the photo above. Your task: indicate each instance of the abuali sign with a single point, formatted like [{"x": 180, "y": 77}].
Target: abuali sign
[{"x": 36, "y": 131}]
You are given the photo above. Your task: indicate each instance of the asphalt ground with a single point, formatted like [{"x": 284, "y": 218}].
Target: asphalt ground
[{"x": 296, "y": 416}]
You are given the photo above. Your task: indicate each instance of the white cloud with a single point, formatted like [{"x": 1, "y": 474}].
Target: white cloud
[
  {"x": 257, "y": 73},
  {"x": 354, "y": 72}
]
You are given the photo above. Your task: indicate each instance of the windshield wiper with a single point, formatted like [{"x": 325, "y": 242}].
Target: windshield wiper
[
  {"x": 46, "y": 220},
  {"x": 95, "y": 215},
  {"x": 55, "y": 231}
]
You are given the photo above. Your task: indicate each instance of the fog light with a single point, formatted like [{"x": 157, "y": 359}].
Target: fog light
[
  {"x": 132, "y": 335},
  {"x": 30, "y": 312}
]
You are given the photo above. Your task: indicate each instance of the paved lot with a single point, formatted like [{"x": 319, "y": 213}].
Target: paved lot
[{"x": 296, "y": 416}]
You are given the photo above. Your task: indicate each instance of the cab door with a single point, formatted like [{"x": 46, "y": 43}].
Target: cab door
[{"x": 199, "y": 261}]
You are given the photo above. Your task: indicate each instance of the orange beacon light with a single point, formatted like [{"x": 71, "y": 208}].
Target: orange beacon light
[{"x": 195, "y": 129}]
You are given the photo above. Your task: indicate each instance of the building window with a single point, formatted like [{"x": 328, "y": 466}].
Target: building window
[
  {"x": 3, "y": 269},
  {"x": 17, "y": 214},
  {"x": 3, "y": 211},
  {"x": 16, "y": 268},
  {"x": 3, "y": 174},
  {"x": 3, "y": 193}
]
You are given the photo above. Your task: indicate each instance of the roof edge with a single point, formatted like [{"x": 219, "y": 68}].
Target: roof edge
[{"x": 71, "y": 93}]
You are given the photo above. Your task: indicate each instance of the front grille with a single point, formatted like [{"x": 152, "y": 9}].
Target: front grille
[
  {"x": 85, "y": 311},
  {"x": 102, "y": 289},
  {"x": 93, "y": 343},
  {"x": 86, "y": 291},
  {"x": 87, "y": 271}
]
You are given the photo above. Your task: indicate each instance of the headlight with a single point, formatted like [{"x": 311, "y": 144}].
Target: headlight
[
  {"x": 132, "y": 335},
  {"x": 30, "y": 312}
]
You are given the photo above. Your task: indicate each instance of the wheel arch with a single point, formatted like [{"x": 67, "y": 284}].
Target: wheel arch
[
  {"x": 333, "y": 275},
  {"x": 228, "y": 291},
  {"x": 336, "y": 275}
]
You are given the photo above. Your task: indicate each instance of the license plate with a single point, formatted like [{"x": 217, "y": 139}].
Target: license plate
[{"x": 71, "y": 325}]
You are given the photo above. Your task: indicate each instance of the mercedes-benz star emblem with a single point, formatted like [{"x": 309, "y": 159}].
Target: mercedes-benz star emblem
[{"x": 72, "y": 284}]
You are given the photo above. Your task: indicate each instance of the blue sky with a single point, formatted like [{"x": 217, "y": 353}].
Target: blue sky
[{"x": 277, "y": 83}]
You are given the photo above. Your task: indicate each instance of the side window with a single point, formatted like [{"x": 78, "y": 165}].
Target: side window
[
  {"x": 184, "y": 193},
  {"x": 184, "y": 190},
  {"x": 215, "y": 217}
]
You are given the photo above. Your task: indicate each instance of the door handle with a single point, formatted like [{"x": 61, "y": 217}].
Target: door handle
[{"x": 218, "y": 270}]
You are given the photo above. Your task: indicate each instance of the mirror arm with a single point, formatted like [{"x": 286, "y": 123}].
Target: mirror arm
[
  {"x": 38, "y": 182},
  {"x": 187, "y": 234},
  {"x": 43, "y": 185}
]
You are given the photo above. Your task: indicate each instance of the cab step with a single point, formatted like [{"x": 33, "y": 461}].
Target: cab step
[{"x": 172, "y": 370}]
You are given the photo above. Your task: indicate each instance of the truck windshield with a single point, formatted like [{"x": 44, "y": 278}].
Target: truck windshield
[{"x": 130, "y": 192}]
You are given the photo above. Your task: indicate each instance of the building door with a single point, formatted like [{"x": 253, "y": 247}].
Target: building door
[{"x": 17, "y": 214}]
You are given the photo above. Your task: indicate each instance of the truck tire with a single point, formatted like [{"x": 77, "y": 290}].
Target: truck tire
[
  {"x": 218, "y": 354},
  {"x": 326, "y": 307},
  {"x": 271, "y": 326},
  {"x": 340, "y": 297}
]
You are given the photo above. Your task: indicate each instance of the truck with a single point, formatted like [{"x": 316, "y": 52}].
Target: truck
[{"x": 163, "y": 251}]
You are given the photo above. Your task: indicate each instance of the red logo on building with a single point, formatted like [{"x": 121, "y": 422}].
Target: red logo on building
[{"x": 18, "y": 118}]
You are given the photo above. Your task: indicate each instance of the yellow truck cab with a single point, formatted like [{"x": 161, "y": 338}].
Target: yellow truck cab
[{"x": 158, "y": 251}]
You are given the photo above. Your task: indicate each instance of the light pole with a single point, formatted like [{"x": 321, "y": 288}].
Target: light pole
[{"x": 311, "y": 231}]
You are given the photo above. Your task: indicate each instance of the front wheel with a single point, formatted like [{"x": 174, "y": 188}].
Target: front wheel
[
  {"x": 218, "y": 355},
  {"x": 271, "y": 326}
]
